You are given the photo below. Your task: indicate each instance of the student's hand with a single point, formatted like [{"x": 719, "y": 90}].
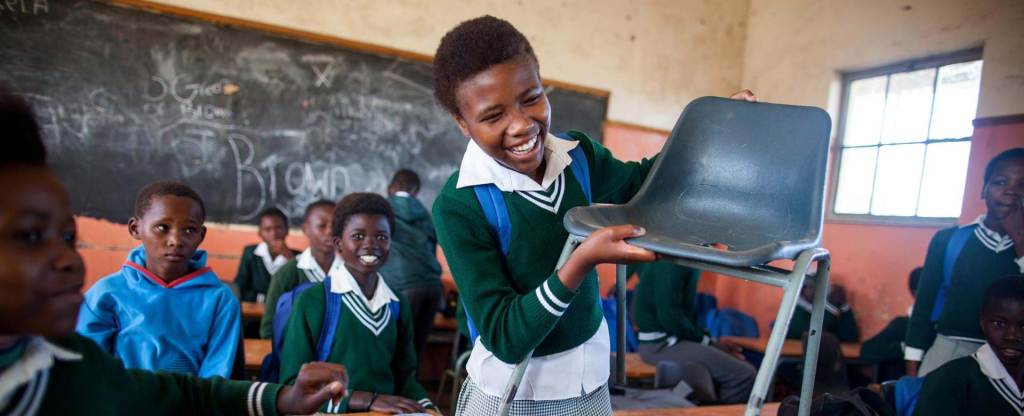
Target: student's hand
[
  {"x": 744, "y": 95},
  {"x": 730, "y": 348},
  {"x": 315, "y": 384},
  {"x": 911, "y": 367},
  {"x": 837, "y": 295},
  {"x": 607, "y": 245},
  {"x": 396, "y": 404}
]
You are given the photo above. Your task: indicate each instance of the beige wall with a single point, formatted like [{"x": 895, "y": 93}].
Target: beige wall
[
  {"x": 653, "y": 55},
  {"x": 795, "y": 48}
]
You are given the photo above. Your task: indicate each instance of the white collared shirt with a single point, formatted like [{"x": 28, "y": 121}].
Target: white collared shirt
[
  {"x": 273, "y": 264},
  {"x": 1002, "y": 381},
  {"x": 568, "y": 374},
  {"x": 307, "y": 263},
  {"x": 33, "y": 367},
  {"x": 342, "y": 282},
  {"x": 993, "y": 240}
]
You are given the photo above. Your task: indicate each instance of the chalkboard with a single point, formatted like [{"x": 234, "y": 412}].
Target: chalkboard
[{"x": 250, "y": 119}]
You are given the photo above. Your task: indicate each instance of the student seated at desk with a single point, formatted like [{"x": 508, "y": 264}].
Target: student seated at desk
[
  {"x": 260, "y": 261},
  {"x": 886, "y": 348},
  {"x": 165, "y": 309},
  {"x": 310, "y": 266},
  {"x": 47, "y": 369},
  {"x": 372, "y": 335},
  {"x": 988, "y": 381},
  {"x": 665, "y": 311},
  {"x": 839, "y": 319}
]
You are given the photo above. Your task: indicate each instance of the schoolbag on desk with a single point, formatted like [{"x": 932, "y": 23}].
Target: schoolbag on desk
[
  {"x": 856, "y": 402},
  {"x": 496, "y": 212}
]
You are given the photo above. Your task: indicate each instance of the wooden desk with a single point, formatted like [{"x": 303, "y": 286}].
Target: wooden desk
[
  {"x": 791, "y": 348},
  {"x": 252, "y": 310},
  {"x": 255, "y": 350},
  {"x": 636, "y": 367},
  {"x": 446, "y": 324},
  {"x": 770, "y": 409}
]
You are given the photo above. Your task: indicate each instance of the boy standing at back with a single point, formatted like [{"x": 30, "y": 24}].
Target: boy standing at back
[
  {"x": 165, "y": 309},
  {"x": 988, "y": 381},
  {"x": 413, "y": 269},
  {"x": 260, "y": 261}
]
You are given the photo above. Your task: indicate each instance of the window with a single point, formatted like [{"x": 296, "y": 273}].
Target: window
[{"x": 905, "y": 135}]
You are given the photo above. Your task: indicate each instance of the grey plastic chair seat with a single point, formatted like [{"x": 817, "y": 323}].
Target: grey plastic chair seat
[{"x": 747, "y": 175}]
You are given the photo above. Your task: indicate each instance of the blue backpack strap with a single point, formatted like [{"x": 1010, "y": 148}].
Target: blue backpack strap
[
  {"x": 953, "y": 248},
  {"x": 332, "y": 312},
  {"x": 579, "y": 166}
]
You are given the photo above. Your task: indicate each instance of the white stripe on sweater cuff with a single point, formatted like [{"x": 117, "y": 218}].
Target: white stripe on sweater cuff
[
  {"x": 542, "y": 298},
  {"x": 913, "y": 354}
]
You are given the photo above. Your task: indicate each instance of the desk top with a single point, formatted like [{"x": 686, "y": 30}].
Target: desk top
[
  {"x": 252, "y": 310},
  {"x": 791, "y": 348},
  {"x": 770, "y": 409},
  {"x": 255, "y": 350}
]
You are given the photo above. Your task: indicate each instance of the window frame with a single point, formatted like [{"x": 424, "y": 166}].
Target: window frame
[{"x": 848, "y": 77}]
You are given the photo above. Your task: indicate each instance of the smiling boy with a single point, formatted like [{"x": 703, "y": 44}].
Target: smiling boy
[
  {"x": 989, "y": 381},
  {"x": 165, "y": 309}
]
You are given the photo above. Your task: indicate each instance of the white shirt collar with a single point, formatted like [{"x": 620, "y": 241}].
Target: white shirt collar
[
  {"x": 402, "y": 194},
  {"x": 39, "y": 356},
  {"x": 343, "y": 282},
  {"x": 994, "y": 369},
  {"x": 991, "y": 239},
  {"x": 307, "y": 262},
  {"x": 271, "y": 263},
  {"x": 478, "y": 168}
]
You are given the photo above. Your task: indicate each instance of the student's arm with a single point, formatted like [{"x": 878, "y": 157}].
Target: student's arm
[
  {"x": 944, "y": 393},
  {"x": 225, "y": 334},
  {"x": 97, "y": 318},
  {"x": 920, "y": 330},
  {"x": 848, "y": 331},
  {"x": 280, "y": 282},
  {"x": 612, "y": 181},
  {"x": 244, "y": 277},
  {"x": 404, "y": 365}
]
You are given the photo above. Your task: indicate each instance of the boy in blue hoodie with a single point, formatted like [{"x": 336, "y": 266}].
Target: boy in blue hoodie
[{"x": 165, "y": 309}]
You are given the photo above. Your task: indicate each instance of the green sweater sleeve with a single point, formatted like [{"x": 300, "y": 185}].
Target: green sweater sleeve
[
  {"x": 672, "y": 289},
  {"x": 404, "y": 364},
  {"x": 921, "y": 331},
  {"x": 612, "y": 181},
  {"x": 510, "y": 324},
  {"x": 281, "y": 282},
  {"x": 244, "y": 277}
]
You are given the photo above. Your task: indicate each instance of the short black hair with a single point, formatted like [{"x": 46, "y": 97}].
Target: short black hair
[
  {"x": 405, "y": 180},
  {"x": 915, "y": 276},
  {"x": 472, "y": 47},
  {"x": 272, "y": 212},
  {"x": 163, "y": 188},
  {"x": 990, "y": 168},
  {"x": 317, "y": 204},
  {"x": 360, "y": 203},
  {"x": 22, "y": 141},
  {"x": 1009, "y": 287}
]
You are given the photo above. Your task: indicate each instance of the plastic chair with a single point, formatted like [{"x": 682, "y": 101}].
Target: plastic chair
[{"x": 750, "y": 176}]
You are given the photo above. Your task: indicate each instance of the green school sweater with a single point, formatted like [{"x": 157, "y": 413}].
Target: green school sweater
[
  {"x": 666, "y": 301},
  {"x": 838, "y": 321},
  {"x": 252, "y": 277},
  {"x": 98, "y": 384},
  {"x": 975, "y": 269},
  {"x": 960, "y": 388},
  {"x": 384, "y": 363},
  {"x": 517, "y": 302},
  {"x": 888, "y": 344},
  {"x": 286, "y": 279}
]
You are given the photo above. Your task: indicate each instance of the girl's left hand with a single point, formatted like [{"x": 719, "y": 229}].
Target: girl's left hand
[{"x": 744, "y": 95}]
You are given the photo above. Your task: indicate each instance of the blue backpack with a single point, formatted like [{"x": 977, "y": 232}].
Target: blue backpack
[
  {"x": 270, "y": 370},
  {"x": 953, "y": 248},
  {"x": 496, "y": 211}
]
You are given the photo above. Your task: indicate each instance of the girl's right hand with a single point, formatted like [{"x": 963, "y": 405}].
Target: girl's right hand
[
  {"x": 396, "y": 404},
  {"x": 606, "y": 245}
]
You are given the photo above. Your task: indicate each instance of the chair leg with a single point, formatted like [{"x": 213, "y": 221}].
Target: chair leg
[
  {"x": 460, "y": 365},
  {"x": 762, "y": 382},
  {"x": 620, "y": 314},
  {"x": 814, "y": 337}
]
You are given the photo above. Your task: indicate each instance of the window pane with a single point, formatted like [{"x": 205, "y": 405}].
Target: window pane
[
  {"x": 898, "y": 180},
  {"x": 956, "y": 100},
  {"x": 907, "y": 107},
  {"x": 856, "y": 176},
  {"x": 864, "y": 111},
  {"x": 942, "y": 187}
]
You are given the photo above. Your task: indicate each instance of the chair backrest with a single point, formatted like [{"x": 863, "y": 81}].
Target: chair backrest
[{"x": 743, "y": 174}]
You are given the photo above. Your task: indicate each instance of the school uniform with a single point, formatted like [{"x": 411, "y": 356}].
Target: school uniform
[
  {"x": 985, "y": 257},
  {"x": 978, "y": 384},
  {"x": 73, "y": 376},
  {"x": 839, "y": 321},
  {"x": 190, "y": 325},
  {"x": 517, "y": 302},
  {"x": 373, "y": 344},
  {"x": 254, "y": 271},
  {"x": 303, "y": 268},
  {"x": 665, "y": 312},
  {"x": 412, "y": 268}
]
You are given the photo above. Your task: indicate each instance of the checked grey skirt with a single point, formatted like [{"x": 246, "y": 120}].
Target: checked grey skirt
[{"x": 474, "y": 402}]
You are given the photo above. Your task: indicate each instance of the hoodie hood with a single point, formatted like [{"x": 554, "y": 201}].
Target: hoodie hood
[
  {"x": 135, "y": 271},
  {"x": 408, "y": 208}
]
